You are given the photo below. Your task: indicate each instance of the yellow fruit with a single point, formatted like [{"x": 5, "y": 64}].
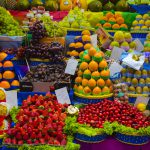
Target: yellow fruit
[
  {"x": 96, "y": 91},
  {"x": 78, "y": 80},
  {"x": 80, "y": 73},
  {"x": 95, "y": 75},
  {"x": 74, "y": 53},
  {"x": 93, "y": 66},
  {"x": 65, "y": 5},
  {"x": 86, "y": 58},
  {"x": 80, "y": 88},
  {"x": 103, "y": 64},
  {"x": 91, "y": 83},
  {"x": 141, "y": 107},
  {"x": 83, "y": 66},
  {"x": 100, "y": 82},
  {"x": 86, "y": 32},
  {"x": 105, "y": 89},
  {"x": 92, "y": 51},
  {"x": 87, "y": 46},
  {"x": 87, "y": 90},
  {"x": 86, "y": 38},
  {"x": 84, "y": 82},
  {"x": 108, "y": 82}
]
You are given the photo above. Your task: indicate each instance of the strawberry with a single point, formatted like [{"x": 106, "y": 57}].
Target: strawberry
[
  {"x": 42, "y": 140},
  {"x": 25, "y": 137},
  {"x": 36, "y": 142},
  {"x": 20, "y": 142},
  {"x": 18, "y": 136},
  {"x": 8, "y": 140},
  {"x": 56, "y": 142},
  {"x": 33, "y": 135},
  {"x": 63, "y": 142},
  {"x": 14, "y": 142},
  {"x": 29, "y": 141}
]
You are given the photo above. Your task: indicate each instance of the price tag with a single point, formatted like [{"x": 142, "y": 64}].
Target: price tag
[
  {"x": 141, "y": 99},
  {"x": 62, "y": 95},
  {"x": 71, "y": 66},
  {"x": 139, "y": 45},
  {"x": 94, "y": 40},
  {"x": 11, "y": 98},
  {"x": 115, "y": 68},
  {"x": 116, "y": 53}
]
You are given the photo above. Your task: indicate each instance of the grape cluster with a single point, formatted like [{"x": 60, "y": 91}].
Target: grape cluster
[
  {"x": 53, "y": 51},
  {"x": 38, "y": 32},
  {"x": 8, "y": 25}
]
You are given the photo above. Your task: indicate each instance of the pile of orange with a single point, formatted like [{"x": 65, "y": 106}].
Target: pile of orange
[
  {"x": 113, "y": 22},
  {"x": 93, "y": 75}
]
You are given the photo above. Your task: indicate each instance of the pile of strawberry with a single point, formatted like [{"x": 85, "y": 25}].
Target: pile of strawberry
[
  {"x": 40, "y": 121},
  {"x": 96, "y": 114}
]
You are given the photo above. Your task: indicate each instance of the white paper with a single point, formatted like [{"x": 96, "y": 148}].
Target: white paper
[
  {"x": 129, "y": 61},
  {"x": 62, "y": 95},
  {"x": 116, "y": 53},
  {"x": 71, "y": 66},
  {"x": 141, "y": 99},
  {"x": 82, "y": 10},
  {"x": 139, "y": 45},
  {"x": 11, "y": 98},
  {"x": 94, "y": 40},
  {"x": 115, "y": 68}
]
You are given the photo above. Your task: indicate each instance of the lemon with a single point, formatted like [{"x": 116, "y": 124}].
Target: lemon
[{"x": 141, "y": 107}]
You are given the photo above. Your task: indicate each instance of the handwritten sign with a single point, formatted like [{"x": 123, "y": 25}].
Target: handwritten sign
[{"x": 62, "y": 95}]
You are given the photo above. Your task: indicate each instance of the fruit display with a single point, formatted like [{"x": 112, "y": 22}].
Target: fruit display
[
  {"x": 121, "y": 92},
  {"x": 80, "y": 44},
  {"x": 123, "y": 40},
  {"x": 138, "y": 81},
  {"x": 95, "y": 115},
  {"x": 112, "y": 21},
  {"x": 47, "y": 73},
  {"x": 108, "y": 5},
  {"x": 75, "y": 19},
  {"x": 8, "y": 78},
  {"x": 141, "y": 23},
  {"x": 9, "y": 26},
  {"x": 138, "y": 2},
  {"x": 93, "y": 74},
  {"x": 147, "y": 43},
  {"x": 34, "y": 126}
]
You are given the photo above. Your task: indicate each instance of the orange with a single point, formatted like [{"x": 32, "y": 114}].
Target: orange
[
  {"x": 100, "y": 82},
  {"x": 1, "y": 76},
  {"x": 81, "y": 54},
  {"x": 5, "y": 84},
  {"x": 86, "y": 38},
  {"x": 116, "y": 26},
  {"x": 120, "y": 20},
  {"x": 96, "y": 91},
  {"x": 86, "y": 32},
  {"x": 84, "y": 82},
  {"x": 107, "y": 25},
  {"x": 74, "y": 53},
  {"x": 86, "y": 58},
  {"x": 8, "y": 75},
  {"x": 87, "y": 74},
  {"x": 102, "y": 53},
  {"x": 80, "y": 88},
  {"x": 83, "y": 66},
  {"x": 92, "y": 51},
  {"x": 117, "y": 15},
  {"x": 87, "y": 46},
  {"x": 105, "y": 73},
  {"x": 108, "y": 82},
  {"x": 105, "y": 89},
  {"x": 72, "y": 45},
  {"x": 103, "y": 64},
  {"x": 93, "y": 66},
  {"x": 112, "y": 19},
  {"x": 75, "y": 87},
  {"x": 109, "y": 15},
  {"x": 104, "y": 18},
  {"x": 78, "y": 45},
  {"x": 111, "y": 89},
  {"x": 87, "y": 90},
  {"x": 1, "y": 65},
  {"x": 15, "y": 83},
  {"x": 78, "y": 80},
  {"x": 123, "y": 26},
  {"x": 95, "y": 75},
  {"x": 92, "y": 83},
  {"x": 80, "y": 73},
  {"x": 97, "y": 57},
  {"x": 2, "y": 56}
]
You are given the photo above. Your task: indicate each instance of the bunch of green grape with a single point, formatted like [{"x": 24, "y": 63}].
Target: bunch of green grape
[
  {"x": 53, "y": 29},
  {"x": 8, "y": 25}
]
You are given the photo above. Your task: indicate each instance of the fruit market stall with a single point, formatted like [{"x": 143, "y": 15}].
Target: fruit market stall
[{"x": 74, "y": 75}]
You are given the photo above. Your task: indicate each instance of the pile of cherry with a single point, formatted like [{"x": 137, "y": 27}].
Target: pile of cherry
[
  {"x": 40, "y": 121},
  {"x": 95, "y": 115}
]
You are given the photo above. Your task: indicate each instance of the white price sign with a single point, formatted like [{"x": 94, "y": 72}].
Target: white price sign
[{"x": 115, "y": 68}]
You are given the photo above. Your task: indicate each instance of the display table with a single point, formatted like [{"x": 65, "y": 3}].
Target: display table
[{"x": 112, "y": 144}]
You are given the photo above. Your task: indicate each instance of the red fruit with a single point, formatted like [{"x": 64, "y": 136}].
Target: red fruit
[
  {"x": 18, "y": 136},
  {"x": 14, "y": 142},
  {"x": 52, "y": 88},
  {"x": 36, "y": 142},
  {"x": 8, "y": 140},
  {"x": 63, "y": 142},
  {"x": 33, "y": 135},
  {"x": 29, "y": 141},
  {"x": 56, "y": 142},
  {"x": 25, "y": 137},
  {"x": 20, "y": 142},
  {"x": 42, "y": 140}
]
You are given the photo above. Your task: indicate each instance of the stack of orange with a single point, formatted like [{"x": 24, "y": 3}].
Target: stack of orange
[{"x": 113, "y": 22}]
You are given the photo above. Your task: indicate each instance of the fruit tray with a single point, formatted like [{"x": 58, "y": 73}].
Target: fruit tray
[
  {"x": 79, "y": 98},
  {"x": 132, "y": 139},
  {"x": 90, "y": 139}
]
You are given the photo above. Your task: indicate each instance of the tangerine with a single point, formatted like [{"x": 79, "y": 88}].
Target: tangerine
[
  {"x": 96, "y": 91},
  {"x": 103, "y": 64},
  {"x": 86, "y": 58},
  {"x": 86, "y": 32},
  {"x": 80, "y": 88},
  {"x": 78, "y": 80},
  {"x": 80, "y": 73},
  {"x": 84, "y": 82},
  {"x": 109, "y": 15},
  {"x": 87, "y": 74},
  {"x": 93, "y": 66},
  {"x": 100, "y": 82},
  {"x": 108, "y": 82},
  {"x": 83, "y": 66},
  {"x": 8, "y": 75},
  {"x": 105, "y": 89},
  {"x": 95, "y": 75},
  {"x": 87, "y": 90},
  {"x": 5, "y": 84},
  {"x": 91, "y": 83},
  {"x": 97, "y": 57},
  {"x": 92, "y": 51},
  {"x": 120, "y": 20},
  {"x": 87, "y": 46},
  {"x": 15, "y": 83}
]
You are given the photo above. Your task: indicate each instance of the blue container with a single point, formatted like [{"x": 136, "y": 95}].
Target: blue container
[{"x": 132, "y": 139}]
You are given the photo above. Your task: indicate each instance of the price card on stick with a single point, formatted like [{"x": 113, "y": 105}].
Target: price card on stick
[
  {"x": 11, "y": 98},
  {"x": 116, "y": 53},
  {"x": 62, "y": 95},
  {"x": 71, "y": 66},
  {"x": 139, "y": 45},
  {"x": 141, "y": 99},
  {"x": 115, "y": 68}
]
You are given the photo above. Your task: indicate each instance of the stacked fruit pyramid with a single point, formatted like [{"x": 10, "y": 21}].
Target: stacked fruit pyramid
[
  {"x": 80, "y": 44},
  {"x": 138, "y": 81},
  {"x": 113, "y": 22},
  {"x": 93, "y": 74},
  {"x": 8, "y": 79}
]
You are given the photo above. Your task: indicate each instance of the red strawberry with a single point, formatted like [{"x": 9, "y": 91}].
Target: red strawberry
[
  {"x": 42, "y": 141},
  {"x": 36, "y": 142},
  {"x": 33, "y": 135},
  {"x": 18, "y": 136},
  {"x": 20, "y": 142},
  {"x": 56, "y": 142},
  {"x": 63, "y": 142},
  {"x": 29, "y": 141},
  {"x": 25, "y": 137},
  {"x": 14, "y": 142},
  {"x": 8, "y": 140}
]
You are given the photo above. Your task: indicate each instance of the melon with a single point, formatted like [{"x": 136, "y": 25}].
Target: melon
[
  {"x": 51, "y": 5},
  {"x": 109, "y": 6},
  {"x": 95, "y": 6}
]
